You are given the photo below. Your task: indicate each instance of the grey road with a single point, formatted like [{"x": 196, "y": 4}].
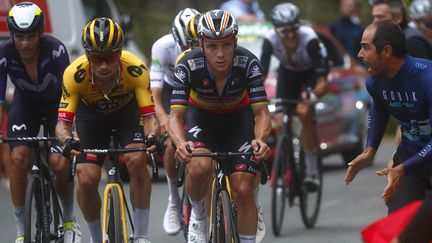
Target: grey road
[{"x": 345, "y": 210}]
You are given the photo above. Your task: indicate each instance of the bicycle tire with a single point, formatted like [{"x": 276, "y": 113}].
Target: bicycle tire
[
  {"x": 114, "y": 227},
  {"x": 34, "y": 213},
  {"x": 185, "y": 213},
  {"x": 281, "y": 183},
  {"x": 56, "y": 212},
  {"x": 222, "y": 219},
  {"x": 310, "y": 202}
]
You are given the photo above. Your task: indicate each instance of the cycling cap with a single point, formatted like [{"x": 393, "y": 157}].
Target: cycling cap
[
  {"x": 420, "y": 8},
  {"x": 191, "y": 29},
  {"x": 102, "y": 35},
  {"x": 25, "y": 17},
  {"x": 285, "y": 14},
  {"x": 217, "y": 25},
  {"x": 179, "y": 26}
]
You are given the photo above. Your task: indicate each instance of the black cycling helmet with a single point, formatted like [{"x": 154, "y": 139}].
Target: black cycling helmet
[
  {"x": 217, "y": 25},
  {"x": 178, "y": 28},
  {"x": 25, "y": 17},
  {"x": 102, "y": 35},
  {"x": 191, "y": 30},
  {"x": 420, "y": 9},
  {"x": 285, "y": 14}
]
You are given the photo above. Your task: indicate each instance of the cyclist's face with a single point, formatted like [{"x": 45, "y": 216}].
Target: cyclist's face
[
  {"x": 288, "y": 36},
  {"x": 220, "y": 54},
  {"x": 27, "y": 44},
  {"x": 368, "y": 54},
  {"x": 104, "y": 65}
]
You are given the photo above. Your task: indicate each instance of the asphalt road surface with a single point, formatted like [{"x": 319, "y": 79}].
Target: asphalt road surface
[{"x": 345, "y": 210}]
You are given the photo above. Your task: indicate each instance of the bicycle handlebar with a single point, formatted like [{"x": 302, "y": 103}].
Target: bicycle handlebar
[
  {"x": 222, "y": 154},
  {"x": 30, "y": 139},
  {"x": 113, "y": 150}
]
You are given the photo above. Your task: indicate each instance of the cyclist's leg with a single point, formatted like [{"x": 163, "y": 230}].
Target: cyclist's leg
[
  {"x": 92, "y": 132},
  {"x": 131, "y": 135},
  {"x": 22, "y": 122},
  {"x": 413, "y": 186},
  {"x": 244, "y": 177}
]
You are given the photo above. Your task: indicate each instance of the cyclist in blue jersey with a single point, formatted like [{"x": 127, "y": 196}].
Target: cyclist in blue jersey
[
  {"x": 220, "y": 98},
  {"x": 400, "y": 85},
  {"x": 35, "y": 64}
]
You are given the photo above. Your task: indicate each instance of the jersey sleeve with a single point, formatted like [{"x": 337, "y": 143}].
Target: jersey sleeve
[
  {"x": 377, "y": 120},
  {"x": 143, "y": 93},
  {"x": 318, "y": 54},
  {"x": 156, "y": 68},
  {"x": 3, "y": 75},
  {"x": 266, "y": 53},
  {"x": 70, "y": 95},
  {"x": 255, "y": 83},
  {"x": 180, "y": 93}
]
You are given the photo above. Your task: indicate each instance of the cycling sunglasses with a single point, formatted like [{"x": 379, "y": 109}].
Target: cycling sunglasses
[
  {"x": 285, "y": 30},
  {"x": 98, "y": 58}
]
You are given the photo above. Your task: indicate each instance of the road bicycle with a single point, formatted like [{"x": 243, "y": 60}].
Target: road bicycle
[
  {"x": 186, "y": 207},
  {"x": 288, "y": 172},
  {"x": 115, "y": 224},
  {"x": 223, "y": 211},
  {"x": 42, "y": 213}
]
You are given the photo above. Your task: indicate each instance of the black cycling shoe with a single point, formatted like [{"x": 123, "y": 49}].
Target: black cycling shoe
[{"x": 312, "y": 183}]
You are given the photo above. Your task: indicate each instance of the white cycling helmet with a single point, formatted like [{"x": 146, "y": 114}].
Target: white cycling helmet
[
  {"x": 217, "y": 25},
  {"x": 420, "y": 8},
  {"x": 25, "y": 17},
  {"x": 179, "y": 26},
  {"x": 285, "y": 14}
]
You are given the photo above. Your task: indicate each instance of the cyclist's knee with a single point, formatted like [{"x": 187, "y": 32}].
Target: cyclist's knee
[
  {"x": 20, "y": 161},
  {"x": 88, "y": 176},
  {"x": 199, "y": 171},
  {"x": 58, "y": 163},
  {"x": 244, "y": 192}
]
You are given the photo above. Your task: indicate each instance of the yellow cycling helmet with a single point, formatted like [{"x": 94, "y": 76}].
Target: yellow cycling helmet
[
  {"x": 102, "y": 35},
  {"x": 191, "y": 30}
]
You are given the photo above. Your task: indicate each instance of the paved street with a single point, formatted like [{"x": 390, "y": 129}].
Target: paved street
[{"x": 345, "y": 210}]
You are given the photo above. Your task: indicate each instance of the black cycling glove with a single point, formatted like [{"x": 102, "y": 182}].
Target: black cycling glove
[{"x": 69, "y": 145}]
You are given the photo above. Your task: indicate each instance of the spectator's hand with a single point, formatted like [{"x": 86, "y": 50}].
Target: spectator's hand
[
  {"x": 184, "y": 151},
  {"x": 71, "y": 147},
  {"x": 356, "y": 165},
  {"x": 261, "y": 149},
  {"x": 394, "y": 177}
]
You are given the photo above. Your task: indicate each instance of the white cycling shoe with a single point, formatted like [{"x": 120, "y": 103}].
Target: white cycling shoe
[
  {"x": 171, "y": 222},
  {"x": 261, "y": 227},
  {"x": 197, "y": 231},
  {"x": 141, "y": 240},
  {"x": 72, "y": 233},
  {"x": 19, "y": 239}
]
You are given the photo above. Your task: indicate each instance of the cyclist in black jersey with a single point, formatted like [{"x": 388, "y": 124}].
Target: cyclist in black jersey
[
  {"x": 221, "y": 85},
  {"x": 303, "y": 63},
  {"x": 35, "y": 64}
]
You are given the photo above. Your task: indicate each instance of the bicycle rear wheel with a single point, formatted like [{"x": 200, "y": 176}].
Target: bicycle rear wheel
[
  {"x": 310, "y": 201},
  {"x": 222, "y": 219},
  {"x": 114, "y": 226},
  {"x": 281, "y": 179},
  {"x": 35, "y": 229}
]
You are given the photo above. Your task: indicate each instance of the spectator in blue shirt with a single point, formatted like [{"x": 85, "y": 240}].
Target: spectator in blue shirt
[
  {"x": 244, "y": 10},
  {"x": 347, "y": 27}
]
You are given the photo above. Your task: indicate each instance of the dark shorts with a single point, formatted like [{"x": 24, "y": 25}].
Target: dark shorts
[
  {"x": 25, "y": 120},
  {"x": 94, "y": 129},
  {"x": 290, "y": 83},
  {"x": 224, "y": 133},
  {"x": 413, "y": 185}
]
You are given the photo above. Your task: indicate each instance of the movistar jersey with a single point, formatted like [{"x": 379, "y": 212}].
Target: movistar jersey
[
  {"x": 408, "y": 98},
  {"x": 53, "y": 60},
  {"x": 195, "y": 85},
  {"x": 133, "y": 83}
]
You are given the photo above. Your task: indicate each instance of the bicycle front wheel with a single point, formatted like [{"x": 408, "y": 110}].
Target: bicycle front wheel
[
  {"x": 35, "y": 229},
  {"x": 223, "y": 220},
  {"x": 310, "y": 201},
  {"x": 281, "y": 179},
  {"x": 115, "y": 226},
  {"x": 185, "y": 213}
]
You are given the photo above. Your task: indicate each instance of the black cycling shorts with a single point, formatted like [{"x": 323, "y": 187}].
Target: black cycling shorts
[
  {"x": 25, "y": 120},
  {"x": 94, "y": 129},
  {"x": 231, "y": 132},
  {"x": 290, "y": 83},
  {"x": 413, "y": 185}
]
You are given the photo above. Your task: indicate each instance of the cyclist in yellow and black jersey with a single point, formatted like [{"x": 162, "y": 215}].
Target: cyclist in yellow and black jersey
[{"x": 107, "y": 89}]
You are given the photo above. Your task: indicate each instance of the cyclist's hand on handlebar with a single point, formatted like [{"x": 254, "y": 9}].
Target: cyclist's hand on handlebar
[
  {"x": 355, "y": 166},
  {"x": 1, "y": 137},
  {"x": 151, "y": 143},
  {"x": 71, "y": 147},
  {"x": 309, "y": 96},
  {"x": 261, "y": 149},
  {"x": 184, "y": 151}
]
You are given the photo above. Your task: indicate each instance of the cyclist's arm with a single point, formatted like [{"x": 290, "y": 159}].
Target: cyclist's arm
[
  {"x": 157, "y": 73},
  {"x": 3, "y": 84},
  {"x": 159, "y": 109},
  {"x": 176, "y": 126},
  {"x": 266, "y": 53},
  {"x": 318, "y": 54},
  {"x": 262, "y": 127}
]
